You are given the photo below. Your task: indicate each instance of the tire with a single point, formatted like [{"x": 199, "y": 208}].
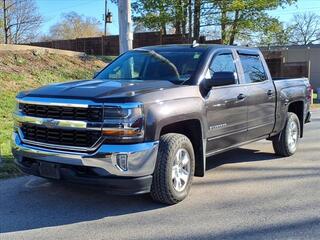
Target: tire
[
  {"x": 282, "y": 143},
  {"x": 165, "y": 186}
]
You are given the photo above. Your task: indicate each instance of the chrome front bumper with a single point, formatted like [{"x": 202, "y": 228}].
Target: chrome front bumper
[{"x": 141, "y": 157}]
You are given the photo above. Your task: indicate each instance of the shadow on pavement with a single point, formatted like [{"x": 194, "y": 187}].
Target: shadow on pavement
[
  {"x": 239, "y": 155},
  {"x": 300, "y": 229},
  {"x": 30, "y": 202}
]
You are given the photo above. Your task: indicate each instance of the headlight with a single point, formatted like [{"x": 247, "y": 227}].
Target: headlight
[{"x": 123, "y": 122}]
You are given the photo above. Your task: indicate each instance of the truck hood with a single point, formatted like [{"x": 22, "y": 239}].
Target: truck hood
[{"x": 100, "y": 89}]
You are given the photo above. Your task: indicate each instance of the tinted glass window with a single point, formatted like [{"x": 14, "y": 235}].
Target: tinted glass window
[
  {"x": 222, "y": 63},
  {"x": 253, "y": 68},
  {"x": 150, "y": 65}
]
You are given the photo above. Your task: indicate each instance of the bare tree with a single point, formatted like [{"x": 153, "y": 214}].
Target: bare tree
[
  {"x": 20, "y": 20},
  {"x": 305, "y": 29},
  {"x": 74, "y": 25}
]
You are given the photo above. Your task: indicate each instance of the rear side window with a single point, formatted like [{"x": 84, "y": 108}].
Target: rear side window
[{"x": 253, "y": 69}]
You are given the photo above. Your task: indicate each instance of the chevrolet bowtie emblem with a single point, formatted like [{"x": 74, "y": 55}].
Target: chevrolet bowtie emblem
[{"x": 50, "y": 123}]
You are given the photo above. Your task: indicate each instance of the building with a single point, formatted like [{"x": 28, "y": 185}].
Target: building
[{"x": 295, "y": 61}]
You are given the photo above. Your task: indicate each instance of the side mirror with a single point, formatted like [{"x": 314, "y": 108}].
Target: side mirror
[{"x": 222, "y": 79}]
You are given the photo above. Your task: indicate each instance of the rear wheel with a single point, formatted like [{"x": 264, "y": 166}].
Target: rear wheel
[
  {"x": 174, "y": 169},
  {"x": 286, "y": 142}
]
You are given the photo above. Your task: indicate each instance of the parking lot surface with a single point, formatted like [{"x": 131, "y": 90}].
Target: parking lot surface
[{"x": 247, "y": 193}]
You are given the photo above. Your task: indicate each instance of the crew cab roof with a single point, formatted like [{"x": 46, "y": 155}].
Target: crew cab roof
[{"x": 200, "y": 47}]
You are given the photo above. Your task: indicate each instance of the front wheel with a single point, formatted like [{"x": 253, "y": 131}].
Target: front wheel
[
  {"x": 286, "y": 142},
  {"x": 174, "y": 169}
]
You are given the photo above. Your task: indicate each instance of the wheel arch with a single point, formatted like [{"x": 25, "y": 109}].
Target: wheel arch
[
  {"x": 192, "y": 129},
  {"x": 297, "y": 107}
]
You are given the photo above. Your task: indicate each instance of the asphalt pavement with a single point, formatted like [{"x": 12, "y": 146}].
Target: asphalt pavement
[{"x": 247, "y": 193}]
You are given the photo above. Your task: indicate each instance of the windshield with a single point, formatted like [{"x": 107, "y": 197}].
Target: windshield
[{"x": 150, "y": 65}]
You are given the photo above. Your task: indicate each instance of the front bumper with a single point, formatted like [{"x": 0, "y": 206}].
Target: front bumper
[
  {"x": 141, "y": 160},
  {"x": 114, "y": 185}
]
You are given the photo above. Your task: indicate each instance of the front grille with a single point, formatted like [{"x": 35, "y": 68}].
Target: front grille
[
  {"x": 76, "y": 138},
  {"x": 66, "y": 113}
]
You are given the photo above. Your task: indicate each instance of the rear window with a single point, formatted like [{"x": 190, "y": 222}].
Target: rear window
[{"x": 253, "y": 68}]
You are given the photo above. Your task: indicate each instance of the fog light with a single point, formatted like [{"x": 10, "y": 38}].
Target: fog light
[{"x": 122, "y": 161}]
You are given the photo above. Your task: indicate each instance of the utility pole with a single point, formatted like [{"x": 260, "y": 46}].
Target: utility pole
[
  {"x": 105, "y": 14},
  {"x": 107, "y": 17},
  {"x": 125, "y": 34}
]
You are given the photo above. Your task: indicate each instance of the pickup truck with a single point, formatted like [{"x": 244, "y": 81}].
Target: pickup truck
[{"x": 149, "y": 120}]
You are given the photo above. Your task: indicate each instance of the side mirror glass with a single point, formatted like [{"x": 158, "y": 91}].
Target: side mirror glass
[{"x": 222, "y": 79}]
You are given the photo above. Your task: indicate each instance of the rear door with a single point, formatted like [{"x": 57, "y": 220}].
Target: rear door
[
  {"x": 261, "y": 97},
  {"x": 226, "y": 106}
]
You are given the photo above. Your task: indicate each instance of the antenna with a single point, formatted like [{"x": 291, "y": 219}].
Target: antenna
[{"x": 195, "y": 44}]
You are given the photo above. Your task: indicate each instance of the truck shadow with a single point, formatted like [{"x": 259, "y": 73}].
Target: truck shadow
[
  {"x": 237, "y": 156},
  {"x": 30, "y": 202}
]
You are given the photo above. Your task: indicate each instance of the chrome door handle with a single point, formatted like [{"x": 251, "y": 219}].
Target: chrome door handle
[
  {"x": 270, "y": 93},
  {"x": 241, "y": 96}
]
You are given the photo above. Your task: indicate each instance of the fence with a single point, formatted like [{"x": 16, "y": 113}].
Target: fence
[{"x": 109, "y": 45}]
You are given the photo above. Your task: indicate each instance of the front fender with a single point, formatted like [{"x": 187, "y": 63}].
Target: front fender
[{"x": 163, "y": 113}]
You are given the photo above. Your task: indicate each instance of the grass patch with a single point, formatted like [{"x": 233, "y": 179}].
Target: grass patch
[
  {"x": 7, "y": 107},
  {"x": 21, "y": 71},
  {"x": 7, "y": 167},
  {"x": 15, "y": 77}
]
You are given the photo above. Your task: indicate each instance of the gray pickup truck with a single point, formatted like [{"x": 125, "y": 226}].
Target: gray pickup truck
[{"x": 148, "y": 121}]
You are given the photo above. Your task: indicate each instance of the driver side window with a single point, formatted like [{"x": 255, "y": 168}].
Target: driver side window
[{"x": 221, "y": 64}]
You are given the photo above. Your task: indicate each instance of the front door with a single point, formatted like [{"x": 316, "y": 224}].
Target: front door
[{"x": 226, "y": 107}]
